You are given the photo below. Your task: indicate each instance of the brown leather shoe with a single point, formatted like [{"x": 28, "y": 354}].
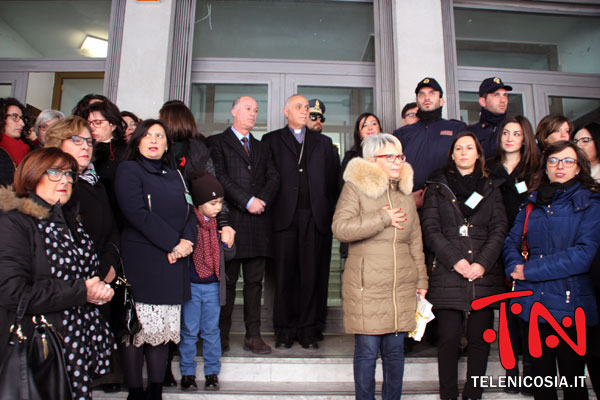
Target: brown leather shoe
[{"x": 256, "y": 345}]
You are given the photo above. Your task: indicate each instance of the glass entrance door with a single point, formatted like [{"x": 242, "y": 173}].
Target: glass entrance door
[{"x": 345, "y": 96}]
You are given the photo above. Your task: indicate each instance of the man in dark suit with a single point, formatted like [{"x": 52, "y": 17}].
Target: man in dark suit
[
  {"x": 245, "y": 168},
  {"x": 308, "y": 164}
]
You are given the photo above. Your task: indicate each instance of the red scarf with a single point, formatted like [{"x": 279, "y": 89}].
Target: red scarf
[
  {"x": 206, "y": 252},
  {"x": 16, "y": 148}
]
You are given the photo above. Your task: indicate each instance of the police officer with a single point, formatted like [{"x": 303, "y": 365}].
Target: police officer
[
  {"x": 493, "y": 98},
  {"x": 316, "y": 115},
  {"x": 426, "y": 142}
]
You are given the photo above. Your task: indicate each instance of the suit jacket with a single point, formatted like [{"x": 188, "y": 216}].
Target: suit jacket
[
  {"x": 323, "y": 166},
  {"x": 243, "y": 178}
]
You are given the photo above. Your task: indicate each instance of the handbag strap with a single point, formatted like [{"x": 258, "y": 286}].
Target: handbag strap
[
  {"x": 527, "y": 212},
  {"x": 22, "y": 307},
  {"x": 524, "y": 244}
]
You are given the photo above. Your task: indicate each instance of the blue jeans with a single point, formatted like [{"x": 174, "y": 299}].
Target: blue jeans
[
  {"x": 201, "y": 313},
  {"x": 366, "y": 349}
]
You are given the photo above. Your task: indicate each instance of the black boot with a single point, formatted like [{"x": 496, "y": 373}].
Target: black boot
[
  {"x": 136, "y": 394},
  {"x": 154, "y": 391},
  {"x": 169, "y": 378}
]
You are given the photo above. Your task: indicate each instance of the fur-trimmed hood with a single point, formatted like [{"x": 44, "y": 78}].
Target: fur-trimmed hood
[
  {"x": 26, "y": 205},
  {"x": 372, "y": 181}
]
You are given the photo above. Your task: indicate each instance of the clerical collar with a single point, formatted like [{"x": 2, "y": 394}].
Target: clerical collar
[{"x": 298, "y": 133}]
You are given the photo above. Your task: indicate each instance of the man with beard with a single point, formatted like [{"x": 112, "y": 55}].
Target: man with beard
[
  {"x": 493, "y": 98},
  {"x": 309, "y": 165},
  {"x": 316, "y": 115},
  {"x": 426, "y": 142}
]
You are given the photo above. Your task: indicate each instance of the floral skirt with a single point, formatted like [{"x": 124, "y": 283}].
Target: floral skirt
[{"x": 160, "y": 324}]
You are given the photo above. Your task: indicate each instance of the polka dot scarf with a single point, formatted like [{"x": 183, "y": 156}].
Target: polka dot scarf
[{"x": 88, "y": 342}]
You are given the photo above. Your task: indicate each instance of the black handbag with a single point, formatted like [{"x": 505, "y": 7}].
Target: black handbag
[
  {"x": 129, "y": 324},
  {"x": 34, "y": 368}
]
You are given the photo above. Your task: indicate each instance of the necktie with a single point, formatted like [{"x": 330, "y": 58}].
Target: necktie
[{"x": 246, "y": 147}]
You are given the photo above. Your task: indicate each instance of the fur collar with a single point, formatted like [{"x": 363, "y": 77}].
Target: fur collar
[
  {"x": 26, "y": 205},
  {"x": 372, "y": 181}
]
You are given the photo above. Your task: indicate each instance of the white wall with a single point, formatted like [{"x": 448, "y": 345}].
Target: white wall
[
  {"x": 419, "y": 43},
  {"x": 145, "y": 57}
]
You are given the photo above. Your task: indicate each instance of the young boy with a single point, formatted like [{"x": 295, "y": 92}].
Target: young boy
[{"x": 207, "y": 276}]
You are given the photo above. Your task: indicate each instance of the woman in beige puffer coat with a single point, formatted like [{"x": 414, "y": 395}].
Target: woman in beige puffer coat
[{"x": 385, "y": 269}]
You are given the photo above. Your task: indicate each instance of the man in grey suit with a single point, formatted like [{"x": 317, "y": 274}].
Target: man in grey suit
[{"x": 245, "y": 168}]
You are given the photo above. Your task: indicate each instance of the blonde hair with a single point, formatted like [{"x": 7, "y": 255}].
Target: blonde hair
[{"x": 64, "y": 129}]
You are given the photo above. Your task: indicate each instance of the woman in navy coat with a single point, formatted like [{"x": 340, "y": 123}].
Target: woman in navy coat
[
  {"x": 563, "y": 233},
  {"x": 155, "y": 242}
]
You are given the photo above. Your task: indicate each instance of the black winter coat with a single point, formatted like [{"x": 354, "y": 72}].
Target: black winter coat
[
  {"x": 191, "y": 155},
  {"x": 512, "y": 199},
  {"x": 92, "y": 204},
  {"x": 243, "y": 178},
  {"x": 487, "y": 228},
  {"x": 24, "y": 264},
  {"x": 7, "y": 168},
  {"x": 323, "y": 166},
  {"x": 157, "y": 216},
  {"x": 107, "y": 157}
]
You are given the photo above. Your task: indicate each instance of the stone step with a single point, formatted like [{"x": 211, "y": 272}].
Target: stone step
[
  {"x": 299, "y": 391},
  {"x": 325, "y": 373}
]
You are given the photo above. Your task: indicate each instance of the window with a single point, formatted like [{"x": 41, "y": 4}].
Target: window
[
  {"x": 519, "y": 40},
  {"x": 319, "y": 30},
  {"x": 52, "y": 29}
]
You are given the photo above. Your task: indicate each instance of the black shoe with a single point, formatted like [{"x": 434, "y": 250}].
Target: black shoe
[
  {"x": 511, "y": 390},
  {"x": 311, "y": 345},
  {"x": 169, "y": 380},
  {"x": 212, "y": 382},
  {"x": 284, "y": 342},
  {"x": 110, "y": 387},
  {"x": 527, "y": 391},
  {"x": 188, "y": 383},
  {"x": 136, "y": 394}
]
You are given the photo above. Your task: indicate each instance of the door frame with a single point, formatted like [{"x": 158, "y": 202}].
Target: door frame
[
  {"x": 282, "y": 77},
  {"x": 542, "y": 83}
]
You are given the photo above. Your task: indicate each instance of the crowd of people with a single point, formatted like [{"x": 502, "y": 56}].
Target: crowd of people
[{"x": 438, "y": 210}]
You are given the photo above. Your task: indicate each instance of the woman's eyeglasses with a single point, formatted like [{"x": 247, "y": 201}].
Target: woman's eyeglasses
[
  {"x": 96, "y": 122},
  {"x": 55, "y": 175},
  {"x": 391, "y": 158},
  {"x": 78, "y": 140},
  {"x": 566, "y": 162},
  {"x": 16, "y": 117},
  {"x": 584, "y": 140}
]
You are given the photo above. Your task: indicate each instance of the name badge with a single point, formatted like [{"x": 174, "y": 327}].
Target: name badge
[
  {"x": 473, "y": 200},
  {"x": 521, "y": 187},
  {"x": 188, "y": 199}
]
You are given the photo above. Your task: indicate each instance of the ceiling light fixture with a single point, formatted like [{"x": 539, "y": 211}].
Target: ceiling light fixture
[{"x": 94, "y": 47}]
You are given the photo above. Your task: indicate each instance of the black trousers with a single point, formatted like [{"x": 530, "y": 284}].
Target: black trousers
[
  {"x": 254, "y": 271},
  {"x": 570, "y": 365},
  {"x": 301, "y": 262},
  {"x": 451, "y": 324}
]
